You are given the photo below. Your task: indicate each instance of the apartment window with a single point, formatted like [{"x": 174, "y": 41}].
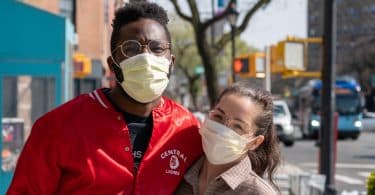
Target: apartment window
[
  {"x": 338, "y": 45},
  {"x": 372, "y": 8},
  {"x": 345, "y": 29},
  {"x": 355, "y": 29},
  {"x": 312, "y": 32},
  {"x": 352, "y": 12}
]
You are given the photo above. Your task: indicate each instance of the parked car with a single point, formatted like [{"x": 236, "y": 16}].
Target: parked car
[
  {"x": 368, "y": 121},
  {"x": 282, "y": 119}
]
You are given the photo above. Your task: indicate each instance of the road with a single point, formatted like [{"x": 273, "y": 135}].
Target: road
[{"x": 355, "y": 160}]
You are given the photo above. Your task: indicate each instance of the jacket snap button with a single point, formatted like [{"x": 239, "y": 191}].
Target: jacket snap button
[{"x": 127, "y": 149}]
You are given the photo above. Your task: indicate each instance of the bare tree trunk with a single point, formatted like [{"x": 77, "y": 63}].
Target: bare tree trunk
[
  {"x": 209, "y": 66},
  {"x": 205, "y": 52},
  {"x": 193, "y": 94}
]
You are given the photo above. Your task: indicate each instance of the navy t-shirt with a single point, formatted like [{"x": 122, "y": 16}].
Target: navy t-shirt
[{"x": 140, "y": 131}]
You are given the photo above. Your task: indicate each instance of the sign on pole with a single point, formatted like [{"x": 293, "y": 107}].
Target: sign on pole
[{"x": 294, "y": 56}]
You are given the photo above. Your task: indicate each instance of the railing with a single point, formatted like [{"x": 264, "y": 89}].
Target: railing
[{"x": 307, "y": 184}]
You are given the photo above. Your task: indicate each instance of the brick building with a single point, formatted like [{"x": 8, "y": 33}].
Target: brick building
[{"x": 92, "y": 20}]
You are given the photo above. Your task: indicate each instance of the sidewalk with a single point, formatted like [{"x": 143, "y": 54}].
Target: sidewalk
[{"x": 283, "y": 174}]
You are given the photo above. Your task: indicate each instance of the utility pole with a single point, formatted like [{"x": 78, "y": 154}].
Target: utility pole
[
  {"x": 232, "y": 19},
  {"x": 233, "y": 35},
  {"x": 213, "y": 25},
  {"x": 267, "y": 67},
  {"x": 327, "y": 139}
]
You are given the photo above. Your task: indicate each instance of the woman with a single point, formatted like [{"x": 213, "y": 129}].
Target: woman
[{"x": 240, "y": 146}]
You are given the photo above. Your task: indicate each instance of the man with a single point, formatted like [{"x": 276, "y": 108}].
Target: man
[{"x": 125, "y": 140}]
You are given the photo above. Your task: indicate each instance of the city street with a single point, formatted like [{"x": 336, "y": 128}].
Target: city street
[
  {"x": 136, "y": 69},
  {"x": 355, "y": 160}
]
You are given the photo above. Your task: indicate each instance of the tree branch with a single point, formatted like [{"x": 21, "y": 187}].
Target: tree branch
[
  {"x": 227, "y": 36},
  {"x": 195, "y": 13},
  {"x": 179, "y": 12},
  {"x": 195, "y": 77},
  {"x": 180, "y": 51},
  {"x": 217, "y": 18},
  {"x": 185, "y": 71}
]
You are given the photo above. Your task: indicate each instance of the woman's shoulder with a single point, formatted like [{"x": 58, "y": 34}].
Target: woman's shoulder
[{"x": 255, "y": 185}]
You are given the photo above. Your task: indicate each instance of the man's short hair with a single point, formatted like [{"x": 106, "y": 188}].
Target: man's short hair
[{"x": 132, "y": 12}]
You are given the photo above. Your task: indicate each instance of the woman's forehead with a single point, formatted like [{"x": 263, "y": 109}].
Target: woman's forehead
[{"x": 238, "y": 106}]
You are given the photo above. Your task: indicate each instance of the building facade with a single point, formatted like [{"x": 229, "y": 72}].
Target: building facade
[
  {"x": 92, "y": 21},
  {"x": 355, "y": 28}
]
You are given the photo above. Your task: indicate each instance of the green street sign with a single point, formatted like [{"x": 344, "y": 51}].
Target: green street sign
[{"x": 199, "y": 69}]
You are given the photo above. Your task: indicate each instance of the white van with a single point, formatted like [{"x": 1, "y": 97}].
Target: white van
[{"x": 282, "y": 120}]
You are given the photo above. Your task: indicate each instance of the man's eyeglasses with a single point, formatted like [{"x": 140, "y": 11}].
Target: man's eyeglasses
[
  {"x": 131, "y": 48},
  {"x": 237, "y": 125}
]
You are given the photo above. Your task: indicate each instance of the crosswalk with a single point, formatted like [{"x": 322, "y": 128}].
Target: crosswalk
[
  {"x": 346, "y": 174},
  {"x": 364, "y": 174},
  {"x": 359, "y": 178},
  {"x": 348, "y": 180},
  {"x": 343, "y": 165}
]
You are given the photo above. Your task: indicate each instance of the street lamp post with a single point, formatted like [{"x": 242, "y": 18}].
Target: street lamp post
[
  {"x": 327, "y": 147},
  {"x": 232, "y": 19}
]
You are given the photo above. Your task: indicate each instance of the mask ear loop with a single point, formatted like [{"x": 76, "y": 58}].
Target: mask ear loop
[{"x": 118, "y": 66}]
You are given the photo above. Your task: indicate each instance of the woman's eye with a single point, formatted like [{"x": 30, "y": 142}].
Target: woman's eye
[
  {"x": 218, "y": 117},
  {"x": 239, "y": 128}
]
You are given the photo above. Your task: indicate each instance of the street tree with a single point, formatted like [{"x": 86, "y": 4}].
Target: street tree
[
  {"x": 363, "y": 61},
  {"x": 188, "y": 62},
  {"x": 207, "y": 52},
  {"x": 187, "y": 58}
]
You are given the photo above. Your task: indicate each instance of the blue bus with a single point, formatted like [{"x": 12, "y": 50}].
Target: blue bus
[{"x": 349, "y": 106}]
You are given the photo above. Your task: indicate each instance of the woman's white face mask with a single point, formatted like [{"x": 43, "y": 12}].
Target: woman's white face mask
[
  {"x": 145, "y": 76},
  {"x": 221, "y": 144}
]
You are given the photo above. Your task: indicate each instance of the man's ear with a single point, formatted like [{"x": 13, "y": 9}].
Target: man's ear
[
  {"x": 114, "y": 68},
  {"x": 171, "y": 67},
  {"x": 173, "y": 59},
  {"x": 110, "y": 63},
  {"x": 255, "y": 143}
]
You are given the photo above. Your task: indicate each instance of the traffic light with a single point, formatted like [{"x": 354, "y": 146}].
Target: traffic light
[
  {"x": 277, "y": 62},
  {"x": 241, "y": 66},
  {"x": 290, "y": 55},
  {"x": 82, "y": 65},
  {"x": 249, "y": 65}
]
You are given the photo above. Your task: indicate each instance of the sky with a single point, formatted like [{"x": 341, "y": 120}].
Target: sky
[{"x": 268, "y": 26}]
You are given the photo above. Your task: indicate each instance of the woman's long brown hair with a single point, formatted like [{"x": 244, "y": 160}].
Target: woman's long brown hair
[{"x": 266, "y": 158}]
